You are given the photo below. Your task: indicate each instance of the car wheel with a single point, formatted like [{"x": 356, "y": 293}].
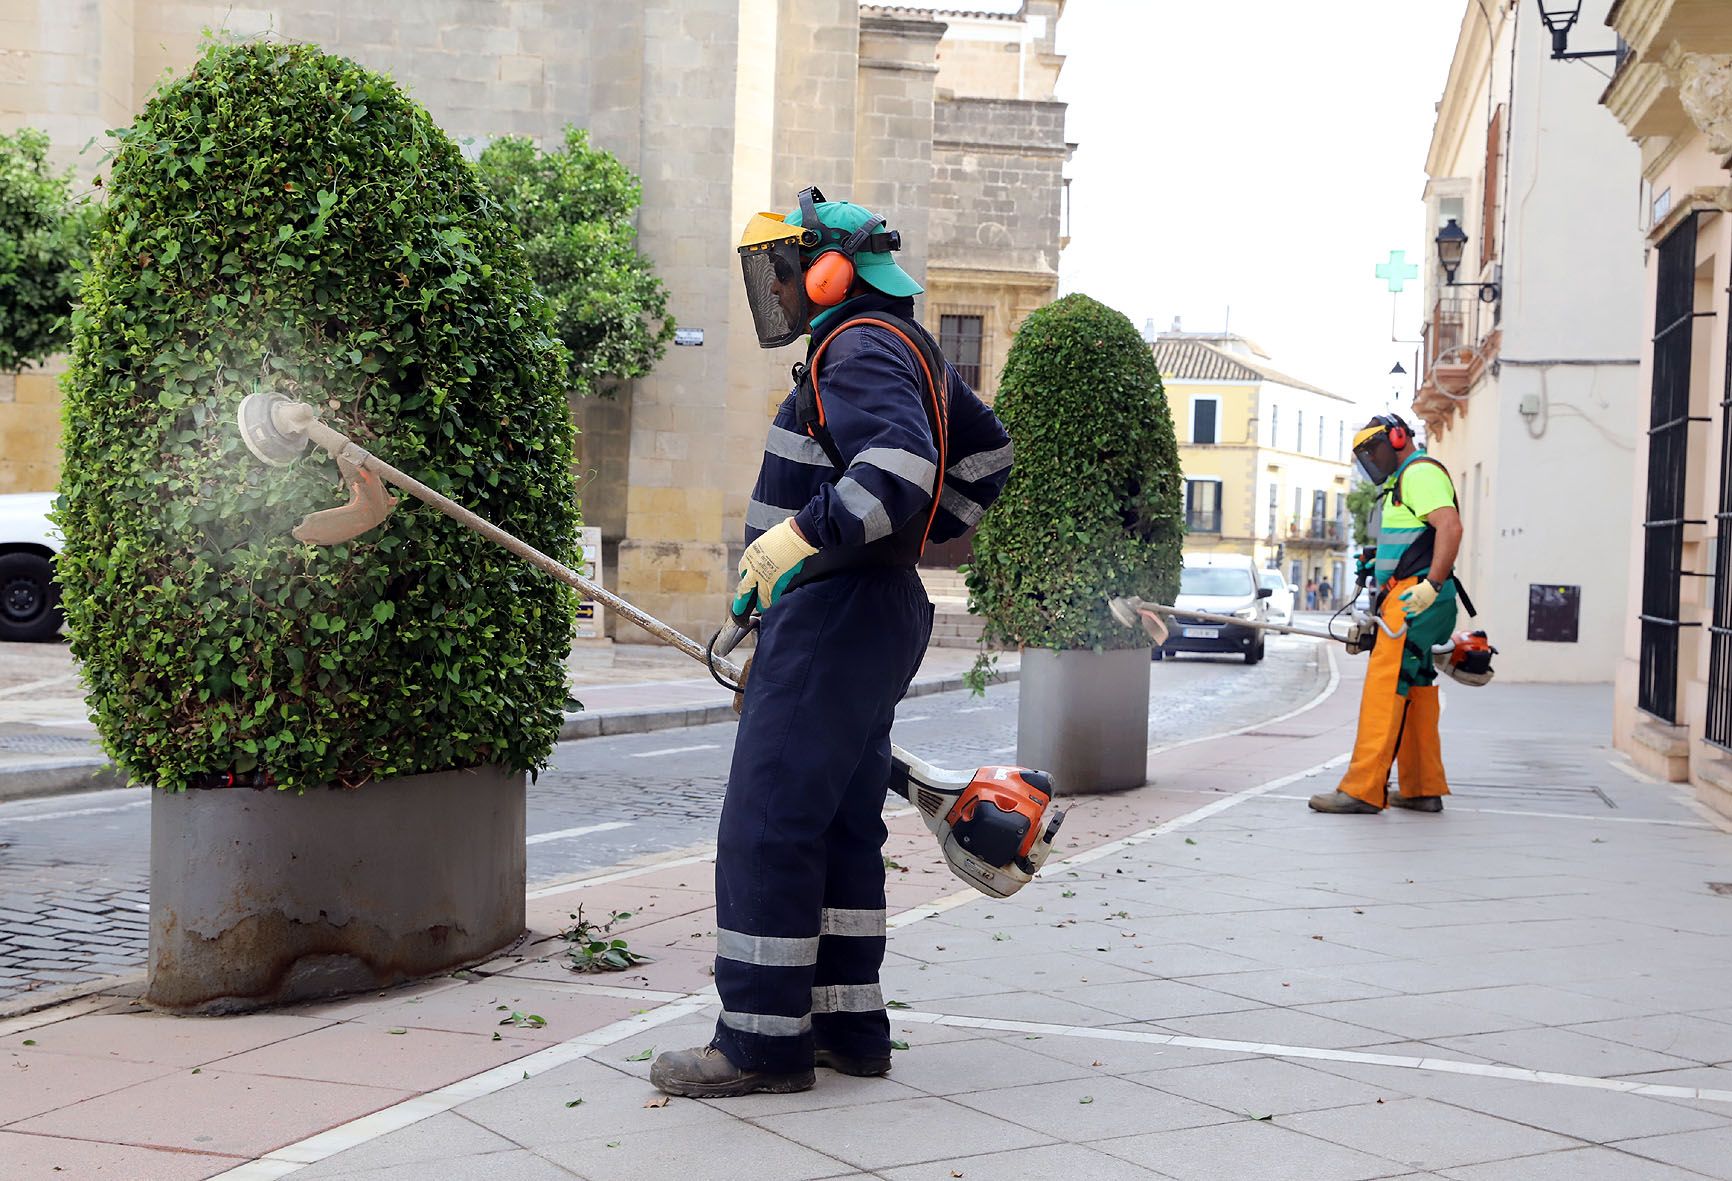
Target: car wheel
[
  {"x": 29, "y": 599},
  {"x": 1254, "y": 653}
]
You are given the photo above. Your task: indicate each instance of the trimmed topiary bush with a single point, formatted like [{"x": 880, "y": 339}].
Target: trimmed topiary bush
[
  {"x": 575, "y": 208},
  {"x": 1094, "y": 506},
  {"x": 281, "y": 217},
  {"x": 42, "y": 246}
]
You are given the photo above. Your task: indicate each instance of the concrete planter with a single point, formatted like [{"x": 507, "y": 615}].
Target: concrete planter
[
  {"x": 261, "y": 897},
  {"x": 1084, "y": 716}
]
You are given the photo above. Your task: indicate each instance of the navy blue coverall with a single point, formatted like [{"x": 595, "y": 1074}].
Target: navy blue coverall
[{"x": 799, "y": 858}]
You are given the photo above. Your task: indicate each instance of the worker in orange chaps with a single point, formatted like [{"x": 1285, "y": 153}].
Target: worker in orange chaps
[{"x": 1417, "y": 525}]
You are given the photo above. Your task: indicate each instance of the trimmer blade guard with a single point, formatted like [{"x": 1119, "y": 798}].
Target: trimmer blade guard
[{"x": 369, "y": 505}]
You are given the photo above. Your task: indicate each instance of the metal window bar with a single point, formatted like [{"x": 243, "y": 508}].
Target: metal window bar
[
  {"x": 1668, "y": 452},
  {"x": 1718, "y": 727}
]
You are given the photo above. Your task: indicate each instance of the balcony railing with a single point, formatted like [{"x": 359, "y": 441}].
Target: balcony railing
[
  {"x": 1317, "y": 530},
  {"x": 1203, "y": 521}
]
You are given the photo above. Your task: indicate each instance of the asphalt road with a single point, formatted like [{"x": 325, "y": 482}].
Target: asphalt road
[{"x": 74, "y": 870}]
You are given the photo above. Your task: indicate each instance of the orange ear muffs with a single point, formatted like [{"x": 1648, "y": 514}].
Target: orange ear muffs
[
  {"x": 1398, "y": 437},
  {"x": 829, "y": 278}
]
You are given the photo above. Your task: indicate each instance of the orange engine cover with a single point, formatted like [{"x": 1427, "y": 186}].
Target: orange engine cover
[{"x": 1001, "y": 809}]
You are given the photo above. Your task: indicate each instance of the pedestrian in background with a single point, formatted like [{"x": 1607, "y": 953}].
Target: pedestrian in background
[
  {"x": 1310, "y": 594},
  {"x": 1326, "y": 595}
]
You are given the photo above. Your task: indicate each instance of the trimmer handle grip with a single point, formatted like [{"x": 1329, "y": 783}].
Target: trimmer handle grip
[{"x": 732, "y": 632}]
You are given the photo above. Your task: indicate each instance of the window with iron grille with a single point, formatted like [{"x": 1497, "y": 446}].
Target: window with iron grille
[
  {"x": 960, "y": 338},
  {"x": 1668, "y": 447},
  {"x": 1203, "y": 506},
  {"x": 1719, "y": 724}
]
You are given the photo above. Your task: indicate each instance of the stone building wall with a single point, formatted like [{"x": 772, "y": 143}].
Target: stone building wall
[{"x": 721, "y": 108}]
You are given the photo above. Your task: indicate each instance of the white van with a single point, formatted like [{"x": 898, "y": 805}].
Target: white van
[{"x": 1220, "y": 584}]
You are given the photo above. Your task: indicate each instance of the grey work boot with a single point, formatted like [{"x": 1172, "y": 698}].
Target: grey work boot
[
  {"x": 848, "y": 1064},
  {"x": 705, "y": 1072},
  {"x": 1416, "y": 803},
  {"x": 1340, "y": 802}
]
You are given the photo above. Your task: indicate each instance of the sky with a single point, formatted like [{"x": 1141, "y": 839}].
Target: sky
[{"x": 1262, "y": 155}]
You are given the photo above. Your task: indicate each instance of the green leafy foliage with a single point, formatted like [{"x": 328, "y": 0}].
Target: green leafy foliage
[
  {"x": 593, "y": 951},
  {"x": 283, "y": 218},
  {"x": 43, "y": 234},
  {"x": 1360, "y": 501},
  {"x": 1093, "y": 508},
  {"x": 574, "y": 208}
]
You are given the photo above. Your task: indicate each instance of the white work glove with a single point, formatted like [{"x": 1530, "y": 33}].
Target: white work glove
[
  {"x": 769, "y": 564},
  {"x": 1418, "y": 598}
]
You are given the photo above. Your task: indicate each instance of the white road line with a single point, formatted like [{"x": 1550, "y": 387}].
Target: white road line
[
  {"x": 32, "y": 686},
  {"x": 674, "y": 750},
  {"x": 73, "y": 813},
  {"x": 1323, "y": 695},
  {"x": 1274, "y": 1050},
  {"x": 704, "y": 855},
  {"x": 294, "y": 1157},
  {"x": 976, "y": 709},
  {"x": 916, "y": 718},
  {"x": 541, "y": 838},
  {"x": 1456, "y": 807}
]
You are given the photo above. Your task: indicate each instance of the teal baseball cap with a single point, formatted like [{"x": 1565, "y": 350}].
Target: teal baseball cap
[{"x": 876, "y": 267}]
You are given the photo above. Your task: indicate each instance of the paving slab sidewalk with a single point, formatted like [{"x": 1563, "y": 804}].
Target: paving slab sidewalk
[
  {"x": 48, "y": 746},
  {"x": 1214, "y": 983}
]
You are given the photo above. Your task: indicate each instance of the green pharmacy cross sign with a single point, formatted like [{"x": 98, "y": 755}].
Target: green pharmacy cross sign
[{"x": 1397, "y": 270}]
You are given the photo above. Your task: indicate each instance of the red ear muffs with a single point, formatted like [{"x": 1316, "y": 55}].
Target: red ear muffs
[
  {"x": 1398, "y": 437},
  {"x": 829, "y": 278}
]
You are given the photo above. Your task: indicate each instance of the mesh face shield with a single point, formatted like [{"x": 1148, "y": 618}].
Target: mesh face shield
[
  {"x": 767, "y": 268},
  {"x": 1366, "y": 453}
]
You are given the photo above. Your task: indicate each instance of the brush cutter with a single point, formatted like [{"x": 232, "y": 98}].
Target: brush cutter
[
  {"x": 994, "y": 825},
  {"x": 1466, "y": 658}
]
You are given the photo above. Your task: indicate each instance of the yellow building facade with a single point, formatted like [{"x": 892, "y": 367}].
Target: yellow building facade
[{"x": 1267, "y": 457}]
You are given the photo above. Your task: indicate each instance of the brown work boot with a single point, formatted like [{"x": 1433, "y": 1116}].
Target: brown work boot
[
  {"x": 859, "y": 1067},
  {"x": 1340, "y": 802},
  {"x": 1416, "y": 803},
  {"x": 706, "y": 1073}
]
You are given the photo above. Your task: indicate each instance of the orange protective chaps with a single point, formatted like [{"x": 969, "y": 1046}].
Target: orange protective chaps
[{"x": 1395, "y": 727}]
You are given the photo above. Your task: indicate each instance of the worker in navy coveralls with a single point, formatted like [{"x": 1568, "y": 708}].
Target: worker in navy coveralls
[{"x": 880, "y": 446}]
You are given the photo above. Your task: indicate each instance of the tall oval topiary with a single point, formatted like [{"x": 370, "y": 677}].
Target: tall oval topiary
[
  {"x": 1093, "y": 508},
  {"x": 282, "y": 217}
]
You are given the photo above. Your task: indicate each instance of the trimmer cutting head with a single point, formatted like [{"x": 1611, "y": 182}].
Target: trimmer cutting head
[
  {"x": 261, "y": 431},
  {"x": 1125, "y": 610}
]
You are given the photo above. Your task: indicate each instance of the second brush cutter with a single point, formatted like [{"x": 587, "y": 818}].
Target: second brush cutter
[{"x": 994, "y": 825}]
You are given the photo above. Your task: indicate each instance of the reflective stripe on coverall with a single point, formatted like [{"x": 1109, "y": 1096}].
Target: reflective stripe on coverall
[
  {"x": 799, "y": 857},
  {"x": 1399, "y": 709}
]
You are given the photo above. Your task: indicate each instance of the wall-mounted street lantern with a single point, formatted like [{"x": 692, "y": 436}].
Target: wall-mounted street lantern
[
  {"x": 1560, "y": 16},
  {"x": 1451, "y": 245}
]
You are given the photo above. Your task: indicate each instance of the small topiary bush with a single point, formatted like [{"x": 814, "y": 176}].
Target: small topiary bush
[
  {"x": 42, "y": 246},
  {"x": 1094, "y": 507},
  {"x": 281, "y": 217},
  {"x": 575, "y": 208}
]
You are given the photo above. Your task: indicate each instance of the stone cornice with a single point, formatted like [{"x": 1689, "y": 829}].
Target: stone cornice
[{"x": 1463, "y": 91}]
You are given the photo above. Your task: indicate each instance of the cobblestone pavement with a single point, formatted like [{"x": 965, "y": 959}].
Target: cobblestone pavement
[{"x": 74, "y": 871}]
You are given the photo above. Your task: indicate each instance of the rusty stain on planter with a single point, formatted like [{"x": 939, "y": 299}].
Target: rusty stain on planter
[{"x": 331, "y": 892}]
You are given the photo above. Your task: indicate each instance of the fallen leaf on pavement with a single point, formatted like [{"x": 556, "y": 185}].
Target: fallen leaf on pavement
[
  {"x": 574, "y": 1103},
  {"x": 399, "y": 1030},
  {"x": 643, "y": 1056},
  {"x": 656, "y": 1101},
  {"x": 898, "y": 1044}
]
